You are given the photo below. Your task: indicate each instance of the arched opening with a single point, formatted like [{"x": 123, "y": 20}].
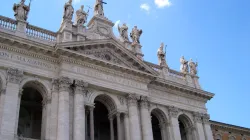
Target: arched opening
[
  {"x": 185, "y": 128},
  {"x": 101, "y": 122},
  {"x": 156, "y": 127},
  {"x": 30, "y": 113}
]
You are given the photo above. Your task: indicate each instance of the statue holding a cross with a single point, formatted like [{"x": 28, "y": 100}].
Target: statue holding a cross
[{"x": 99, "y": 8}]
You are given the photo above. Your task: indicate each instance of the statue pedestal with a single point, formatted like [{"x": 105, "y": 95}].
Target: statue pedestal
[
  {"x": 196, "y": 81},
  {"x": 136, "y": 48},
  {"x": 101, "y": 25},
  {"x": 81, "y": 31},
  {"x": 21, "y": 28},
  {"x": 66, "y": 31}
]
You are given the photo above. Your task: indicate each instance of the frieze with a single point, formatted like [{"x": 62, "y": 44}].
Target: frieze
[
  {"x": 110, "y": 78},
  {"x": 26, "y": 60}
]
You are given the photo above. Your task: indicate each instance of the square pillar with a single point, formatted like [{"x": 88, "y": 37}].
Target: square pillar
[{"x": 10, "y": 109}]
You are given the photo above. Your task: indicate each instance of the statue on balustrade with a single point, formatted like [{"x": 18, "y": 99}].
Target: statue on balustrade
[
  {"x": 193, "y": 67},
  {"x": 68, "y": 11},
  {"x": 123, "y": 30},
  {"x": 99, "y": 8},
  {"x": 81, "y": 16},
  {"x": 161, "y": 55},
  {"x": 135, "y": 35},
  {"x": 21, "y": 11},
  {"x": 184, "y": 65}
]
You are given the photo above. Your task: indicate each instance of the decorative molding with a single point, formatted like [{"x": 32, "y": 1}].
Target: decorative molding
[
  {"x": 197, "y": 117},
  {"x": 64, "y": 84},
  {"x": 173, "y": 111},
  {"x": 144, "y": 103},
  {"x": 205, "y": 118},
  {"x": 80, "y": 87},
  {"x": 14, "y": 75},
  {"x": 55, "y": 85},
  {"x": 132, "y": 99}
]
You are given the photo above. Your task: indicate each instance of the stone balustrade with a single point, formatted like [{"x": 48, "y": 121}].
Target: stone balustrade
[
  {"x": 39, "y": 33},
  {"x": 8, "y": 23}
]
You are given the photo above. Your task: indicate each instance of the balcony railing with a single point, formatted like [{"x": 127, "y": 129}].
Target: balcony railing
[
  {"x": 8, "y": 23},
  {"x": 39, "y": 33}
]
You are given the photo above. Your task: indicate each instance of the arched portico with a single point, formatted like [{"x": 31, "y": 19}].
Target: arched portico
[
  {"x": 186, "y": 127},
  {"x": 159, "y": 124},
  {"x": 33, "y": 110},
  {"x": 100, "y": 122}
]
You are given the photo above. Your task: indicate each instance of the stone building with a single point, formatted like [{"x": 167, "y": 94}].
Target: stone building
[{"x": 82, "y": 82}]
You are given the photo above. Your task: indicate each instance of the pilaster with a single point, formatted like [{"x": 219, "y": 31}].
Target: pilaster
[
  {"x": 147, "y": 133},
  {"x": 198, "y": 125},
  {"x": 174, "y": 123},
  {"x": 207, "y": 127},
  {"x": 54, "y": 109},
  {"x": 63, "y": 109},
  {"x": 135, "y": 133},
  {"x": 10, "y": 109}
]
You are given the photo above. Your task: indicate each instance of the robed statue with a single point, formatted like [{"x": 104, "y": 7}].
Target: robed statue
[
  {"x": 193, "y": 67},
  {"x": 68, "y": 11},
  {"x": 21, "y": 11},
  {"x": 161, "y": 55},
  {"x": 135, "y": 35},
  {"x": 184, "y": 65},
  {"x": 123, "y": 30},
  {"x": 81, "y": 16},
  {"x": 99, "y": 8}
]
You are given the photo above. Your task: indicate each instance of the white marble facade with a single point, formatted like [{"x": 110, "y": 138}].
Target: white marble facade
[{"x": 79, "y": 65}]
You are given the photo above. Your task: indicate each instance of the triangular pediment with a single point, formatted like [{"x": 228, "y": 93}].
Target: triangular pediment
[{"x": 111, "y": 51}]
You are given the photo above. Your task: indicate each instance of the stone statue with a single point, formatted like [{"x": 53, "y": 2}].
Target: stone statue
[
  {"x": 81, "y": 16},
  {"x": 123, "y": 30},
  {"x": 184, "y": 65},
  {"x": 161, "y": 55},
  {"x": 68, "y": 11},
  {"x": 99, "y": 8},
  {"x": 135, "y": 35},
  {"x": 21, "y": 11},
  {"x": 193, "y": 67}
]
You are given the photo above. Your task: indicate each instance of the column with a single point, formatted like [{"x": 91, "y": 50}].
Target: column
[
  {"x": 92, "y": 130},
  {"x": 207, "y": 127},
  {"x": 86, "y": 124},
  {"x": 10, "y": 109},
  {"x": 54, "y": 109},
  {"x": 63, "y": 109},
  {"x": 111, "y": 127},
  {"x": 198, "y": 126},
  {"x": 79, "y": 111},
  {"x": 135, "y": 130},
  {"x": 174, "y": 123},
  {"x": 147, "y": 133},
  {"x": 163, "y": 130},
  {"x": 126, "y": 125},
  {"x": 118, "y": 119}
]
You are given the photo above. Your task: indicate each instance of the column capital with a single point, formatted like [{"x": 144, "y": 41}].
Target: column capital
[
  {"x": 173, "y": 111},
  {"x": 144, "y": 103},
  {"x": 65, "y": 83},
  {"x": 55, "y": 84},
  {"x": 205, "y": 118},
  {"x": 197, "y": 117},
  {"x": 132, "y": 99},
  {"x": 14, "y": 75},
  {"x": 80, "y": 86},
  {"x": 91, "y": 108}
]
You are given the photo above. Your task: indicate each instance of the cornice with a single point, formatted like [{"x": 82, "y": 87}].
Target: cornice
[
  {"x": 180, "y": 88},
  {"x": 229, "y": 127}
]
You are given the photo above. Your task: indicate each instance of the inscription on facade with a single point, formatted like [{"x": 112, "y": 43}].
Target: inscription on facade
[
  {"x": 26, "y": 60},
  {"x": 111, "y": 78}
]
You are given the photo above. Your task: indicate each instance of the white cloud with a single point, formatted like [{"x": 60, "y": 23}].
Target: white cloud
[
  {"x": 162, "y": 3},
  {"x": 76, "y": 1},
  {"x": 117, "y": 23},
  {"x": 145, "y": 7}
]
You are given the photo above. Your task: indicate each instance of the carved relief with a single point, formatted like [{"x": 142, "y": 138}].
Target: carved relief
[{"x": 14, "y": 75}]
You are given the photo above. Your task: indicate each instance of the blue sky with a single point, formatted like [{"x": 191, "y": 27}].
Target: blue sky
[{"x": 215, "y": 32}]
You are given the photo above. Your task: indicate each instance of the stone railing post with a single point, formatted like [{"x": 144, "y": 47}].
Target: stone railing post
[
  {"x": 10, "y": 109},
  {"x": 134, "y": 124},
  {"x": 21, "y": 28}
]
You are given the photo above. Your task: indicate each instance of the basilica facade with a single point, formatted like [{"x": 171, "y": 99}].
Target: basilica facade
[{"x": 84, "y": 83}]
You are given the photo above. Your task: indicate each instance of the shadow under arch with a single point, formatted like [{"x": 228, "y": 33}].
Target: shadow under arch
[
  {"x": 186, "y": 127},
  {"x": 107, "y": 101}
]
